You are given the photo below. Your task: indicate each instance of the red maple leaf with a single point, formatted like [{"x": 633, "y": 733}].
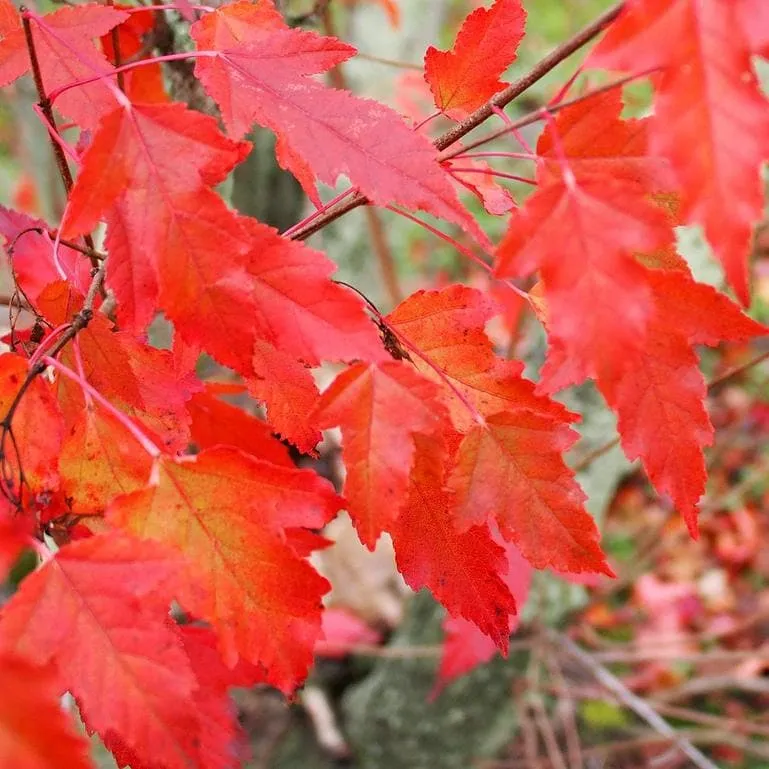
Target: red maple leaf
[
  {"x": 465, "y": 647},
  {"x": 582, "y": 234},
  {"x": 15, "y": 533},
  {"x": 99, "y": 459},
  {"x": 509, "y": 466},
  {"x": 288, "y": 389},
  {"x": 65, "y": 53},
  {"x": 31, "y": 445},
  {"x": 378, "y": 450},
  {"x": 754, "y": 17},
  {"x": 263, "y": 79},
  {"x": 227, "y": 513},
  {"x": 706, "y": 96},
  {"x": 467, "y": 76},
  {"x": 512, "y": 468},
  {"x": 446, "y": 331},
  {"x": 143, "y": 84},
  {"x": 34, "y": 260},
  {"x": 140, "y": 380},
  {"x": 590, "y": 138},
  {"x": 97, "y": 611},
  {"x": 157, "y": 210},
  {"x": 660, "y": 399},
  {"x": 30, "y": 704},
  {"x": 463, "y": 569},
  {"x": 218, "y": 423}
]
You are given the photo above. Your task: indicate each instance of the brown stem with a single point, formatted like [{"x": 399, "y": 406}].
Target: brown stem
[
  {"x": 482, "y": 114},
  {"x": 541, "y": 114},
  {"x": 358, "y": 199},
  {"x": 630, "y": 700},
  {"x": 91, "y": 253},
  {"x": 552, "y": 60},
  {"x": 390, "y": 62},
  {"x": 45, "y": 107},
  {"x": 44, "y": 103},
  {"x": 6, "y": 300},
  {"x": 79, "y": 322}
]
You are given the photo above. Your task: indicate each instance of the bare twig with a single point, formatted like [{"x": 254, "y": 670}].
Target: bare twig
[
  {"x": 642, "y": 742},
  {"x": 482, "y": 114},
  {"x": 552, "y": 60},
  {"x": 723, "y": 723},
  {"x": 79, "y": 322},
  {"x": 708, "y": 684},
  {"x": 91, "y": 253},
  {"x": 44, "y": 103},
  {"x": 45, "y": 107},
  {"x": 390, "y": 62},
  {"x": 567, "y": 712},
  {"x": 673, "y": 654},
  {"x": 632, "y": 701}
]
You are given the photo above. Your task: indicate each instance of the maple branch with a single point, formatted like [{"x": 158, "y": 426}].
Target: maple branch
[
  {"x": 44, "y": 103},
  {"x": 502, "y": 99},
  {"x": 390, "y": 62},
  {"x": 514, "y": 90},
  {"x": 91, "y": 253},
  {"x": 543, "y": 113},
  {"x": 357, "y": 199},
  {"x": 79, "y": 322},
  {"x": 632, "y": 701}
]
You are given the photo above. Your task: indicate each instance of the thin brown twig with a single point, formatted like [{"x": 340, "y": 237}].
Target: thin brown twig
[
  {"x": 417, "y": 652},
  {"x": 358, "y": 199},
  {"x": 630, "y": 700},
  {"x": 542, "y": 113},
  {"x": 79, "y": 322},
  {"x": 750, "y": 728},
  {"x": 708, "y": 684},
  {"x": 91, "y": 253},
  {"x": 454, "y": 134},
  {"x": 530, "y": 737},
  {"x": 642, "y": 742},
  {"x": 708, "y": 719},
  {"x": 44, "y": 103},
  {"x": 655, "y": 655},
  {"x": 390, "y": 62},
  {"x": 513, "y": 91},
  {"x": 45, "y": 107},
  {"x": 566, "y": 710},
  {"x": 539, "y": 712},
  {"x": 13, "y": 300}
]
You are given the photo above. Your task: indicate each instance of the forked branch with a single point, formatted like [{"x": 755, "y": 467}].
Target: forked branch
[{"x": 500, "y": 100}]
